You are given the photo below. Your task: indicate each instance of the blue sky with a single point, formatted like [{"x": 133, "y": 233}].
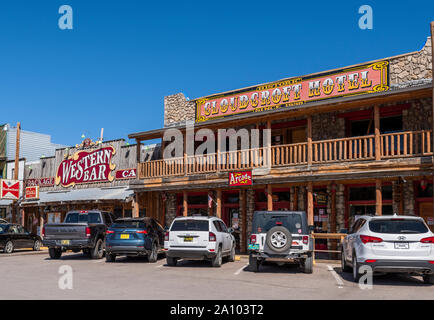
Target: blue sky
[{"x": 122, "y": 57}]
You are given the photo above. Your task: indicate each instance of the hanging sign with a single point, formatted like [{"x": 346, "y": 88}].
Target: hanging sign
[
  {"x": 86, "y": 167},
  {"x": 41, "y": 182},
  {"x": 242, "y": 178},
  {"x": 9, "y": 189},
  {"x": 32, "y": 193},
  {"x": 363, "y": 79},
  {"x": 126, "y": 174}
]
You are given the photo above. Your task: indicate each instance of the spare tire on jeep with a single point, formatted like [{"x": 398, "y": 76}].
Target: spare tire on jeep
[{"x": 279, "y": 239}]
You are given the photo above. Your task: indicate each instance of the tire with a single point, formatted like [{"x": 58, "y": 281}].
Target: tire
[
  {"x": 254, "y": 264},
  {"x": 428, "y": 278},
  {"x": 97, "y": 251},
  {"x": 171, "y": 261},
  {"x": 356, "y": 274},
  {"x": 216, "y": 261},
  {"x": 55, "y": 253},
  {"x": 279, "y": 239},
  {"x": 37, "y": 245},
  {"x": 344, "y": 265},
  {"x": 110, "y": 257},
  {"x": 231, "y": 257},
  {"x": 307, "y": 264},
  {"x": 9, "y": 247},
  {"x": 153, "y": 256}
]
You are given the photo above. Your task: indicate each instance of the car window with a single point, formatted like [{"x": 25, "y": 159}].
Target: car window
[
  {"x": 129, "y": 224},
  {"x": 91, "y": 217},
  {"x": 217, "y": 226},
  {"x": 223, "y": 226},
  {"x": 4, "y": 228},
  {"x": 292, "y": 222},
  {"x": 397, "y": 226},
  {"x": 107, "y": 218},
  {"x": 13, "y": 229},
  {"x": 354, "y": 226},
  {"x": 190, "y": 225}
]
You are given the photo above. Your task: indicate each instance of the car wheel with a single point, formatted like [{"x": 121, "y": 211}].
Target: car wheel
[
  {"x": 37, "y": 245},
  {"x": 9, "y": 247},
  {"x": 254, "y": 263},
  {"x": 216, "y": 261},
  {"x": 356, "y": 274},
  {"x": 344, "y": 265},
  {"x": 231, "y": 257},
  {"x": 171, "y": 261},
  {"x": 98, "y": 251},
  {"x": 428, "y": 278},
  {"x": 110, "y": 257},
  {"x": 153, "y": 256},
  {"x": 307, "y": 264},
  {"x": 279, "y": 239},
  {"x": 55, "y": 253}
]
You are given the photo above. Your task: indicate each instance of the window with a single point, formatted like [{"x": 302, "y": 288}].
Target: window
[
  {"x": 405, "y": 226},
  {"x": 129, "y": 224},
  {"x": 223, "y": 226},
  {"x": 217, "y": 226},
  {"x": 190, "y": 225},
  {"x": 91, "y": 217}
]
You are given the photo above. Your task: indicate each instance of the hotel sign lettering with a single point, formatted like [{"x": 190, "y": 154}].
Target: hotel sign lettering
[
  {"x": 294, "y": 92},
  {"x": 86, "y": 167}
]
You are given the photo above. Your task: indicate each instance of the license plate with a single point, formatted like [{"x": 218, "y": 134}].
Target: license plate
[
  {"x": 65, "y": 242},
  {"x": 253, "y": 246},
  {"x": 188, "y": 239},
  {"x": 401, "y": 245},
  {"x": 125, "y": 236}
]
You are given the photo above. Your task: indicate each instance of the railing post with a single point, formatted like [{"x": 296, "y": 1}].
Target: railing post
[
  {"x": 377, "y": 132},
  {"x": 309, "y": 140},
  {"x": 268, "y": 145}
]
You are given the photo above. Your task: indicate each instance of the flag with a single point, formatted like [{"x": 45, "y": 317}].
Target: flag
[{"x": 210, "y": 201}]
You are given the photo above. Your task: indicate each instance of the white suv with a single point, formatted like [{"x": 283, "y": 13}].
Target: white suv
[
  {"x": 199, "y": 238},
  {"x": 390, "y": 244}
]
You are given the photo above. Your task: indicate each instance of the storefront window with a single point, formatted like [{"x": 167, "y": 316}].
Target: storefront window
[
  {"x": 362, "y": 193},
  {"x": 426, "y": 191}
]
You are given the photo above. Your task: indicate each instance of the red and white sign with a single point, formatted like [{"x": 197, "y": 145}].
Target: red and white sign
[
  {"x": 9, "y": 189},
  {"x": 32, "y": 193},
  {"x": 86, "y": 167},
  {"x": 242, "y": 178},
  {"x": 126, "y": 174},
  {"x": 41, "y": 182}
]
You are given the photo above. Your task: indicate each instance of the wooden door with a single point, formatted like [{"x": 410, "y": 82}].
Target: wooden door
[{"x": 426, "y": 212}]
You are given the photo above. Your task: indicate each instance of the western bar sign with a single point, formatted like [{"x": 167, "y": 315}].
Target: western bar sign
[
  {"x": 242, "y": 178},
  {"x": 294, "y": 92},
  {"x": 86, "y": 167},
  {"x": 9, "y": 189}
]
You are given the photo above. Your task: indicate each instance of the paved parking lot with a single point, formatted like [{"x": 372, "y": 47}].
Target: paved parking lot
[{"x": 35, "y": 276}]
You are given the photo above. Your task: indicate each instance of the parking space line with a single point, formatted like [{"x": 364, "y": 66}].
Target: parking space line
[
  {"x": 98, "y": 261},
  {"x": 240, "y": 269},
  {"x": 336, "y": 276}
]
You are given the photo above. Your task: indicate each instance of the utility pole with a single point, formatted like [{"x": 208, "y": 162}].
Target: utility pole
[
  {"x": 16, "y": 171},
  {"x": 432, "y": 95}
]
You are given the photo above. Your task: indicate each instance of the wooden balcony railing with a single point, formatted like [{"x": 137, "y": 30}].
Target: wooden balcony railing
[{"x": 392, "y": 145}]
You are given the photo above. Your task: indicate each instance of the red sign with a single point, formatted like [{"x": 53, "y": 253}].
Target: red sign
[
  {"x": 126, "y": 174},
  {"x": 243, "y": 178},
  {"x": 86, "y": 167},
  {"x": 32, "y": 193},
  {"x": 41, "y": 182},
  {"x": 294, "y": 92},
  {"x": 10, "y": 189}
]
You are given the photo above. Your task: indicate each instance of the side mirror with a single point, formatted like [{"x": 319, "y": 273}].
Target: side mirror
[
  {"x": 343, "y": 231},
  {"x": 230, "y": 230}
]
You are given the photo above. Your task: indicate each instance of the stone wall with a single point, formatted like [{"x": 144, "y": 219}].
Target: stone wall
[
  {"x": 327, "y": 126},
  {"x": 177, "y": 109},
  {"x": 340, "y": 207},
  {"x": 250, "y": 194},
  {"x": 412, "y": 66},
  {"x": 418, "y": 116},
  {"x": 170, "y": 208}
]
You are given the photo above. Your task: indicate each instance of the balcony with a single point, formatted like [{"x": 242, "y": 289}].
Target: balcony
[{"x": 363, "y": 148}]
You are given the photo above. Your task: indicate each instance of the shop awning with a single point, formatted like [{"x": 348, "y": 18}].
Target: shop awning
[
  {"x": 5, "y": 203},
  {"x": 90, "y": 194}
]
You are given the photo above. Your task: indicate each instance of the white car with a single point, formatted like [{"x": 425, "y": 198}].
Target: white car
[
  {"x": 199, "y": 238},
  {"x": 389, "y": 244}
]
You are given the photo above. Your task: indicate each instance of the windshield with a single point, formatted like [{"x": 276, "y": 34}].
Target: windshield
[
  {"x": 3, "y": 228},
  {"x": 190, "y": 225},
  {"x": 397, "y": 226},
  {"x": 266, "y": 221},
  {"x": 129, "y": 224},
  {"x": 75, "y": 217}
]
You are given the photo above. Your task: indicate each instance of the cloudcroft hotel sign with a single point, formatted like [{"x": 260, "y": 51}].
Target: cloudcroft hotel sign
[
  {"x": 362, "y": 79},
  {"x": 86, "y": 167}
]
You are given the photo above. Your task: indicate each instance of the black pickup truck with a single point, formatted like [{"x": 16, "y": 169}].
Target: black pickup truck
[{"x": 81, "y": 230}]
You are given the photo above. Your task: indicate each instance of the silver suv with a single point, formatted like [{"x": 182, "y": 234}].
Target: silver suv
[
  {"x": 199, "y": 238},
  {"x": 280, "y": 235}
]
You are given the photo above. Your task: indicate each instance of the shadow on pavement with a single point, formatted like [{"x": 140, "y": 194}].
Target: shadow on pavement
[{"x": 273, "y": 267}]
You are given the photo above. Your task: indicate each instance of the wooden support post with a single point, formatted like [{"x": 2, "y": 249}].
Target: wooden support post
[
  {"x": 218, "y": 155},
  {"x": 377, "y": 132},
  {"x": 185, "y": 203},
  {"x": 16, "y": 171},
  {"x": 219, "y": 203},
  {"x": 41, "y": 220},
  {"x": 333, "y": 209},
  {"x": 295, "y": 208},
  {"x": 378, "y": 198},
  {"x": 432, "y": 95},
  {"x": 268, "y": 145},
  {"x": 136, "y": 210},
  {"x": 243, "y": 244},
  {"x": 269, "y": 198},
  {"x": 310, "y": 203},
  {"x": 309, "y": 140}
]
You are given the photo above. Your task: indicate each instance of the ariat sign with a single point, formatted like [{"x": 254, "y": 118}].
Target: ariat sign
[
  {"x": 297, "y": 91},
  {"x": 86, "y": 167},
  {"x": 243, "y": 178}
]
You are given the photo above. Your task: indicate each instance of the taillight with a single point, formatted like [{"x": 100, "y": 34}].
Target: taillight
[
  {"x": 253, "y": 239},
  {"x": 370, "y": 261},
  {"x": 166, "y": 236},
  {"x": 142, "y": 231},
  {"x": 43, "y": 231},
  {"x": 278, "y": 223},
  {"x": 305, "y": 239},
  {"x": 432, "y": 262},
  {"x": 427, "y": 240},
  {"x": 110, "y": 232},
  {"x": 87, "y": 232},
  {"x": 212, "y": 237},
  {"x": 367, "y": 239}
]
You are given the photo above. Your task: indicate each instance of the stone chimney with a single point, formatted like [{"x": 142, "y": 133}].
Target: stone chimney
[{"x": 177, "y": 109}]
